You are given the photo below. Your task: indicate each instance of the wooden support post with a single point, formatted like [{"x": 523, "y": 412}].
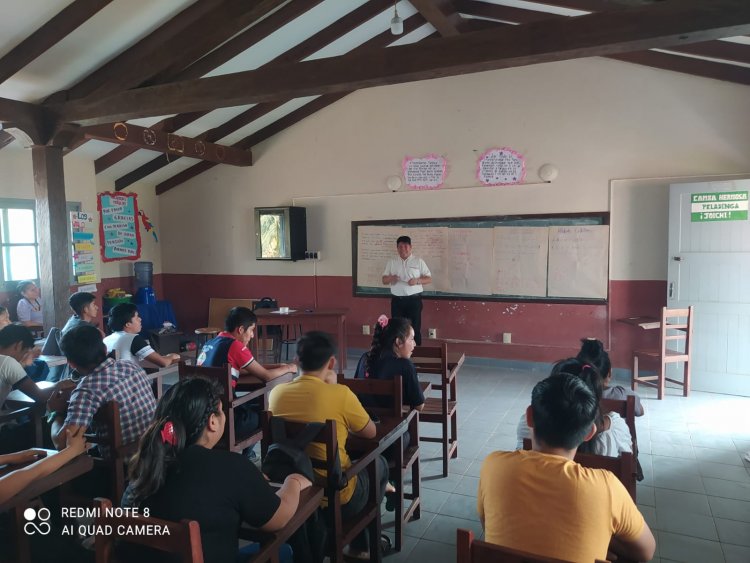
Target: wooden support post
[{"x": 52, "y": 233}]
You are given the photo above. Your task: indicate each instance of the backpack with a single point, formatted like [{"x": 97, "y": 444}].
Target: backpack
[{"x": 287, "y": 455}]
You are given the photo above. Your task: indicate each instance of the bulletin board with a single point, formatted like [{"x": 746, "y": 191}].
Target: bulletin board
[
  {"x": 552, "y": 258},
  {"x": 119, "y": 236}
]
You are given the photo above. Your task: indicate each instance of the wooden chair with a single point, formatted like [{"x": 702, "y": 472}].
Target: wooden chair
[
  {"x": 230, "y": 440},
  {"x": 183, "y": 540},
  {"x": 218, "y": 309},
  {"x": 676, "y": 326},
  {"x": 404, "y": 460},
  {"x": 341, "y": 533},
  {"x": 626, "y": 410},
  {"x": 269, "y": 336},
  {"x": 470, "y": 550},
  {"x": 441, "y": 410},
  {"x": 622, "y": 466}
]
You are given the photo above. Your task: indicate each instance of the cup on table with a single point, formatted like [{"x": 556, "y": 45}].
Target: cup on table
[{"x": 283, "y": 310}]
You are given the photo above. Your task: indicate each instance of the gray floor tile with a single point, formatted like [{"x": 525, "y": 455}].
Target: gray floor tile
[
  {"x": 434, "y": 552},
  {"x": 727, "y": 489},
  {"x": 649, "y": 514},
  {"x": 730, "y": 509},
  {"x": 714, "y": 441},
  {"x": 670, "y": 450},
  {"x": 722, "y": 471},
  {"x": 443, "y": 528},
  {"x": 460, "y": 506},
  {"x": 645, "y": 495},
  {"x": 736, "y": 553},
  {"x": 416, "y": 528},
  {"x": 440, "y": 483},
  {"x": 688, "y": 483},
  {"x": 467, "y": 486},
  {"x": 409, "y": 543},
  {"x": 675, "y": 547},
  {"x": 694, "y": 525},
  {"x": 732, "y": 531},
  {"x": 433, "y": 500},
  {"x": 727, "y": 457},
  {"x": 692, "y": 503}
]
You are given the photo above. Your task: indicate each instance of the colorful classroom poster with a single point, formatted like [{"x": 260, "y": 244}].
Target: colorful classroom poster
[
  {"x": 82, "y": 235},
  {"x": 501, "y": 167},
  {"x": 119, "y": 235},
  {"x": 424, "y": 173},
  {"x": 718, "y": 206}
]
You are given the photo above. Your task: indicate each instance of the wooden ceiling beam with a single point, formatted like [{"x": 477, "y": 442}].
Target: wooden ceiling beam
[
  {"x": 503, "y": 13},
  {"x": 62, "y": 24},
  {"x": 606, "y": 33},
  {"x": 6, "y": 139},
  {"x": 442, "y": 15},
  {"x": 212, "y": 60},
  {"x": 161, "y": 141},
  {"x": 688, "y": 65},
  {"x": 724, "y": 50},
  {"x": 308, "y": 47},
  {"x": 379, "y": 41}
]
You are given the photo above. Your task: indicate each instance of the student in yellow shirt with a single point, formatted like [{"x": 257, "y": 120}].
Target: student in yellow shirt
[
  {"x": 314, "y": 397},
  {"x": 581, "y": 511}
]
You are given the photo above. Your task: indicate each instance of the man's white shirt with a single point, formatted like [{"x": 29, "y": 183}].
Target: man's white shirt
[{"x": 412, "y": 267}]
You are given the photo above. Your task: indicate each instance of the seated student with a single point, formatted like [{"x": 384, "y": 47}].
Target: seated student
[
  {"x": 583, "y": 511},
  {"x": 593, "y": 352},
  {"x": 85, "y": 310},
  {"x": 4, "y": 317},
  {"x": 310, "y": 398},
  {"x": 103, "y": 380},
  {"x": 125, "y": 340},
  {"x": 392, "y": 346},
  {"x": 230, "y": 348},
  {"x": 177, "y": 474},
  {"x": 29, "y": 307},
  {"x": 16, "y": 350}
]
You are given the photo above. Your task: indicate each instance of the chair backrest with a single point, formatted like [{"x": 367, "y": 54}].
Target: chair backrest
[
  {"x": 391, "y": 388},
  {"x": 219, "y": 307},
  {"x": 626, "y": 410},
  {"x": 470, "y": 550},
  {"x": 676, "y": 328},
  {"x": 183, "y": 538}
]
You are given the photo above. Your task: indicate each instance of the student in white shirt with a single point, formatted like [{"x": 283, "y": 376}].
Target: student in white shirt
[
  {"x": 406, "y": 275},
  {"x": 29, "y": 308},
  {"x": 126, "y": 343}
]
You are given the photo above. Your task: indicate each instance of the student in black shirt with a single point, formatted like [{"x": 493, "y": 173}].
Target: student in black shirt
[
  {"x": 389, "y": 355},
  {"x": 177, "y": 474}
]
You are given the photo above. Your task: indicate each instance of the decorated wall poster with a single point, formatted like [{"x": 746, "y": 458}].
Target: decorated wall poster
[
  {"x": 424, "y": 172},
  {"x": 119, "y": 235},
  {"x": 82, "y": 235},
  {"x": 501, "y": 167}
]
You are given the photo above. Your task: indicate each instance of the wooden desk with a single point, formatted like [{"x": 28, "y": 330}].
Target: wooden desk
[
  {"x": 156, "y": 374},
  {"x": 71, "y": 470},
  {"x": 250, "y": 384},
  {"x": 52, "y": 361},
  {"x": 270, "y": 542},
  {"x": 272, "y": 317},
  {"x": 645, "y": 323}
]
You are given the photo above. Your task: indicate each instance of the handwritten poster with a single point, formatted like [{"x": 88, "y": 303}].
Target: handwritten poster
[
  {"x": 578, "y": 261},
  {"x": 82, "y": 235},
  {"x": 501, "y": 167},
  {"x": 119, "y": 235},
  {"x": 424, "y": 173}
]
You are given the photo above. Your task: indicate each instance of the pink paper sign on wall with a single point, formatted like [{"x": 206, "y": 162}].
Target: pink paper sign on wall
[
  {"x": 501, "y": 167},
  {"x": 425, "y": 172}
]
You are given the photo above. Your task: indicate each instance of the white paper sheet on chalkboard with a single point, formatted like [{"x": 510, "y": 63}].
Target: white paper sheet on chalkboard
[
  {"x": 470, "y": 269},
  {"x": 578, "y": 261},
  {"x": 520, "y": 261}
]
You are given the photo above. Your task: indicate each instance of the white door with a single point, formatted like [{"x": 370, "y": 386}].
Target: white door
[{"x": 709, "y": 267}]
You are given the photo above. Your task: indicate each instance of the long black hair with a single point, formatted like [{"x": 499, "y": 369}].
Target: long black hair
[
  {"x": 592, "y": 352},
  {"x": 384, "y": 337},
  {"x": 188, "y": 406}
]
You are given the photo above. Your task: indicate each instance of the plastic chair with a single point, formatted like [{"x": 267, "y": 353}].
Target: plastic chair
[{"x": 676, "y": 327}]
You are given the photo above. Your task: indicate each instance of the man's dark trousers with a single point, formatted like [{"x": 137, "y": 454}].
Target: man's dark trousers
[{"x": 409, "y": 307}]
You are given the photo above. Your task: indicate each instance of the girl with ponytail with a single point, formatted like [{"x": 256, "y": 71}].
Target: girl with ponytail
[
  {"x": 389, "y": 355},
  {"x": 177, "y": 474},
  {"x": 612, "y": 433}
]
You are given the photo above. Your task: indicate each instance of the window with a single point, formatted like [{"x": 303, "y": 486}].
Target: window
[{"x": 19, "y": 247}]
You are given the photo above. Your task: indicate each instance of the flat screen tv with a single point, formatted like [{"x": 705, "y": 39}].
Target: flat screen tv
[{"x": 280, "y": 233}]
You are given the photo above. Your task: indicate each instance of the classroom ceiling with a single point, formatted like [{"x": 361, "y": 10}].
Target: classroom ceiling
[{"x": 204, "y": 81}]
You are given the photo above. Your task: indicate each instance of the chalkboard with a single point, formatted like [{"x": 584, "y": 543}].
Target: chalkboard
[{"x": 553, "y": 258}]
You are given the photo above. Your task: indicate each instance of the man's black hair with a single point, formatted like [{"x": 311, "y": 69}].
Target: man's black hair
[
  {"x": 314, "y": 350},
  {"x": 80, "y": 300},
  {"x": 84, "y": 347},
  {"x": 120, "y": 315},
  {"x": 239, "y": 317},
  {"x": 14, "y": 333},
  {"x": 404, "y": 239}
]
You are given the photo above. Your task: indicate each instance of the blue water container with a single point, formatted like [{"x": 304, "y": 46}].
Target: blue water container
[{"x": 145, "y": 295}]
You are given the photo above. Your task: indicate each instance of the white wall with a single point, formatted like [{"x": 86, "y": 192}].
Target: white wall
[
  {"x": 595, "y": 119},
  {"x": 81, "y": 185}
]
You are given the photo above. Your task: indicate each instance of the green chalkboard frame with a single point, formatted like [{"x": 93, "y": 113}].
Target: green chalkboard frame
[{"x": 532, "y": 220}]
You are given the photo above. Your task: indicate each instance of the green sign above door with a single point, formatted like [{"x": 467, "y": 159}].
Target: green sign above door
[{"x": 718, "y": 206}]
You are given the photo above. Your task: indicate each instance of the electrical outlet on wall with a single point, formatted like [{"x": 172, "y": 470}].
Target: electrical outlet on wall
[
  {"x": 365, "y": 329},
  {"x": 431, "y": 333},
  {"x": 312, "y": 254}
]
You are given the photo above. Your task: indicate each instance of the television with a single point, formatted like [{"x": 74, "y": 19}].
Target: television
[{"x": 280, "y": 233}]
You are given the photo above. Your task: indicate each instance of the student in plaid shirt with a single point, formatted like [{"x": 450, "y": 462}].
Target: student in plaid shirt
[{"x": 104, "y": 379}]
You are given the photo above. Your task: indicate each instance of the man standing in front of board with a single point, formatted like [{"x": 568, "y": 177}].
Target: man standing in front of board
[{"x": 406, "y": 274}]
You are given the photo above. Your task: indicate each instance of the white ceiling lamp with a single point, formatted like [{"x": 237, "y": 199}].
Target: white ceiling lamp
[{"x": 397, "y": 24}]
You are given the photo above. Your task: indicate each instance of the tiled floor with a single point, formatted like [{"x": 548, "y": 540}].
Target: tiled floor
[{"x": 696, "y": 491}]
